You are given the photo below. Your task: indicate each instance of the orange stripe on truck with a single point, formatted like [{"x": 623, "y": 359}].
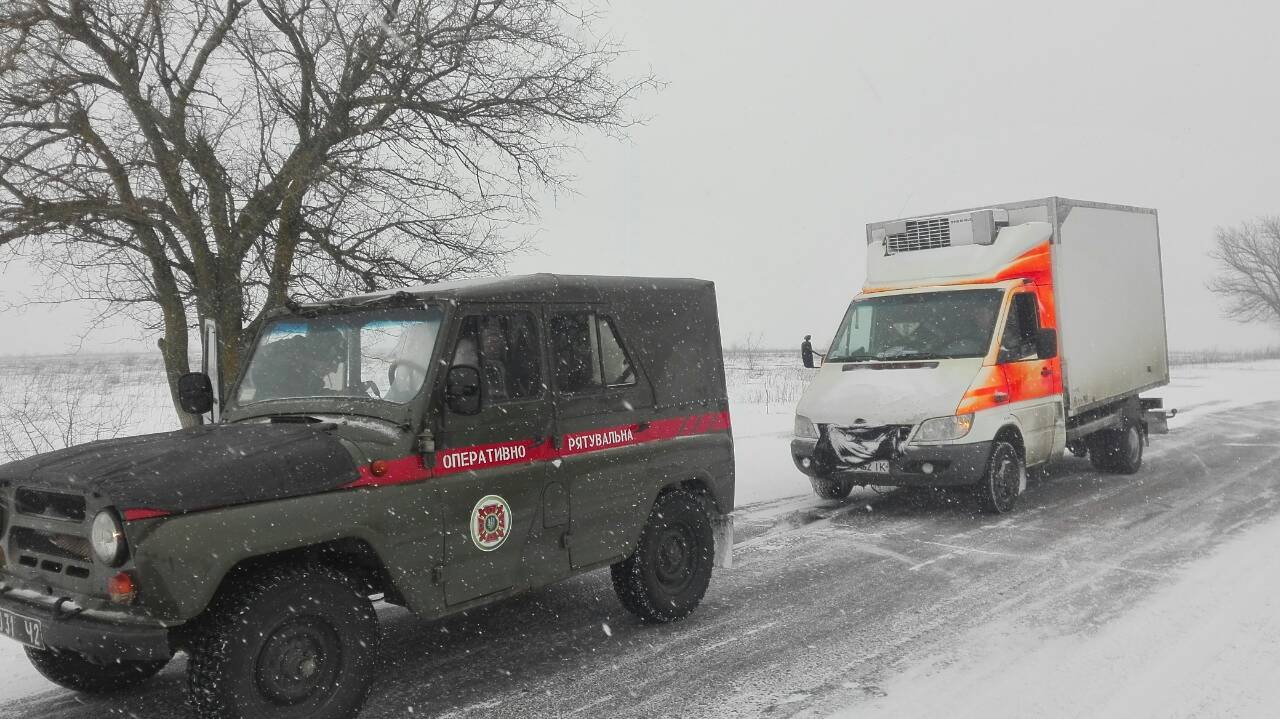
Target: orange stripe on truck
[{"x": 1035, "y": 264}]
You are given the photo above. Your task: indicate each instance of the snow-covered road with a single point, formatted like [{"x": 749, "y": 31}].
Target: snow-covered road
[{"x": 1151, "y": 595}]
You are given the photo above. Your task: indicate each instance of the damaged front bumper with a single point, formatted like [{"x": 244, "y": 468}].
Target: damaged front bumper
[{"x": 940, "y": 465}]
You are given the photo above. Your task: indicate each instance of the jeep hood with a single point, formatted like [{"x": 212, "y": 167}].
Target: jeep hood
[
  {"x": 885, "y": 393},
  {"x": 195, "y": 469}
]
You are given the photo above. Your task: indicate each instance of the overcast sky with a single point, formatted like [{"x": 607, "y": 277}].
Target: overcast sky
[{"x": 785, "y": 127}]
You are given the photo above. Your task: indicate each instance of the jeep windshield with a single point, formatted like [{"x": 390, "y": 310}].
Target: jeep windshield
[
  {"x": 923, "y": 325},
  {"x": 378, "y": 354}
]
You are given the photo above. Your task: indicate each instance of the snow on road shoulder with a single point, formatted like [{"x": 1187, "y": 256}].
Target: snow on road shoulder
[
  {"x": 1200, "y": 390},
  {"x": 1204, "y": 646}
]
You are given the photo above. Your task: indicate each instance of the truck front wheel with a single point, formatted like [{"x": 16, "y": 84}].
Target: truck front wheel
[
  {"x": 831, "y": 488},
  {"x": 667, "y": 575},
  {"x": 288, "y": 642},
  {"x": 70, "y": 670},
  {"x": 1005, "y": 477}
]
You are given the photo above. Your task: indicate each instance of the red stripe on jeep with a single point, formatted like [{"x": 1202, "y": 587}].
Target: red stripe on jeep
[
  {"x": 466, "y": 459},
  {"x": 137, "y": 515}
]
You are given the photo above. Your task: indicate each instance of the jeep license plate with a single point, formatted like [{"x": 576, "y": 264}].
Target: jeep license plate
[
  {"x": 879, "y": 466},
  {"x": 27, "y": 631}
]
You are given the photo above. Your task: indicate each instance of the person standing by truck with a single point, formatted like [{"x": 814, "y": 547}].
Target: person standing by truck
[{"x": 807, "y": 353}]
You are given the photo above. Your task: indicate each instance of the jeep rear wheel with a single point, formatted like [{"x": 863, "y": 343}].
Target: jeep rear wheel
[
  {"x": 288, "y": 642},
  {"x": 1005, "y": 477},
  {"x": 667, "y": 575},
  {"x": 831, "y": 488},
  {"x": 70, "y": 670}
]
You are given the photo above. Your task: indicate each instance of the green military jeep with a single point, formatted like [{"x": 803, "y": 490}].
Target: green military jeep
[{"x": 439, "y": 448}]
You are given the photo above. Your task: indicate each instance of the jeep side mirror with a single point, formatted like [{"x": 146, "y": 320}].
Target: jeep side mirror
[
  {"x": 195, "y": 393},
  {"x": 1047, "y": 344},
  {"x": 462, "y": 390}
]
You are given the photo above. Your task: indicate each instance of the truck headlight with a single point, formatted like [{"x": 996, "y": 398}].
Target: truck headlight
[
  {"x": 945, "y": 429},
  {"x": 107, "y": 538},
  {"x": 805, "y": 429}
]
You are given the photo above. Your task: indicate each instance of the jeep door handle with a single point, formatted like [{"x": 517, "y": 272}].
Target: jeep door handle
[{"x": 1046, "y": 372}]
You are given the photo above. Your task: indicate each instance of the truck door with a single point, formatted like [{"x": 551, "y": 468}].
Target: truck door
[
  {"x": 491, "y": 465},
  {"x": 1034, "y": 383},
  {"x": 603, "y": 407}
]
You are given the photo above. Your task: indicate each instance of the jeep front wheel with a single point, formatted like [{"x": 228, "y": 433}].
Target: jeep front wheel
[
  {"x": 667, "y": 575},
  {"x": 70, "y": 670},
  {"x": 288, "y": 642}
]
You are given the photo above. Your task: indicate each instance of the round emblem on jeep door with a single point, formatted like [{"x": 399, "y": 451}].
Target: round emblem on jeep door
[{"x": 490, "y": 522}]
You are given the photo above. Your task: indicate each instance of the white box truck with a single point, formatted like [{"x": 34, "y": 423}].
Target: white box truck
[{"x": 989, "y": 341}]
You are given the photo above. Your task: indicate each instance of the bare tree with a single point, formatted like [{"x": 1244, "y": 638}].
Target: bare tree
[
  {"x": 52, "y": 416},
  {"x": 189, "y": 159},
  {"x": 1248, "y": 258}
]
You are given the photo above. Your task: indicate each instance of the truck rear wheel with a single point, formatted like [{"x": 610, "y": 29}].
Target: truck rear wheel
[
  {"x": 1117, "y": 450},
  {"x": 667, "y": 575},
  {"x": 70, "y": 670},
  {"x": 287, "y": 642},
  {"x": 831, "y": 488},
  {"x": 1004, "y": 479}
]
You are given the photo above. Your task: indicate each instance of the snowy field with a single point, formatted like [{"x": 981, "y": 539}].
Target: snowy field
[{"x": 1200, "y": 638}]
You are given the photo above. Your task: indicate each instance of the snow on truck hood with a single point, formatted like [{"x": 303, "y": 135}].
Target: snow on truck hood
[{"x": 882, "y": 393}]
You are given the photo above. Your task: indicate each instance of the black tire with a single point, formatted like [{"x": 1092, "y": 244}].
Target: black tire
[
  {"x": 286, "y": 642},
  {"x": 1003, "y": 481},
  {"x": 70, "y": 670},
  {"x": 831, "y": 488},
  {"x": 667, "y": 575},
  {"x": 1117, "y": 450}
]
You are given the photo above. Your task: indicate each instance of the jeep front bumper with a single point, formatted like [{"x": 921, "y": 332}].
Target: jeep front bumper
[
  {"x": 94, "y": 634},
  {"x": 951, "y": 465}
]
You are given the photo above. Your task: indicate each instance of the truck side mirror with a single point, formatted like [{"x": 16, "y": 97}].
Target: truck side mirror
[
  {"x": 462, "y": 390},
  {"x": 1047, "y": 344},
  {"x": 195, "y": 393}
]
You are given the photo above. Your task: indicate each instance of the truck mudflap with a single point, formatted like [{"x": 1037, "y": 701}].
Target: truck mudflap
[
  {"x": 1155, "y": 416},
  {"x": 722, "y": 533}
]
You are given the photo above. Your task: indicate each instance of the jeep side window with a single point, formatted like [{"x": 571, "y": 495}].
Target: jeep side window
[
  {"x": 618, "y": 370},
  {"x": 1018, "y": 341},
  {"x": 504, "y": 347},
  {"x": 589, "y": 353}
]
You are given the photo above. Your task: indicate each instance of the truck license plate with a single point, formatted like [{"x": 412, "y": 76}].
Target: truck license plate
[
  {"x": 880, "y": 466},
  {"x": 27, "y": 631}
]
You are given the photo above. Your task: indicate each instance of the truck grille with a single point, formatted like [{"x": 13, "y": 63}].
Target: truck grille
[
  {"x": 920, "y": 235},
  {"x": 54, "y": 505}
]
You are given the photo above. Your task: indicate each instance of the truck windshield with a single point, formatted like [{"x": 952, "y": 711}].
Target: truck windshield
[
  {"x": 380, "y": 354},
  {"x": 926, "y": 325}
]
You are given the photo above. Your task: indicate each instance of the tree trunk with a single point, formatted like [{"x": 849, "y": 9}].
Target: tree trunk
[{"x": 177, "y": 363}]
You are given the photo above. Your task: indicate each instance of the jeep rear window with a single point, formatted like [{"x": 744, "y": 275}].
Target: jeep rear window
[
  {"x": 377, "y": 354},
  {"x": 589, "y": 353}
]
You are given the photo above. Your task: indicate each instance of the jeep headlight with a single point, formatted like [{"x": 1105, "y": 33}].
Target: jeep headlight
[
  {"x": 107, "y": 538},
  {"x": 805, "y": 429},
  {"x": 945, "y": 429}
]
